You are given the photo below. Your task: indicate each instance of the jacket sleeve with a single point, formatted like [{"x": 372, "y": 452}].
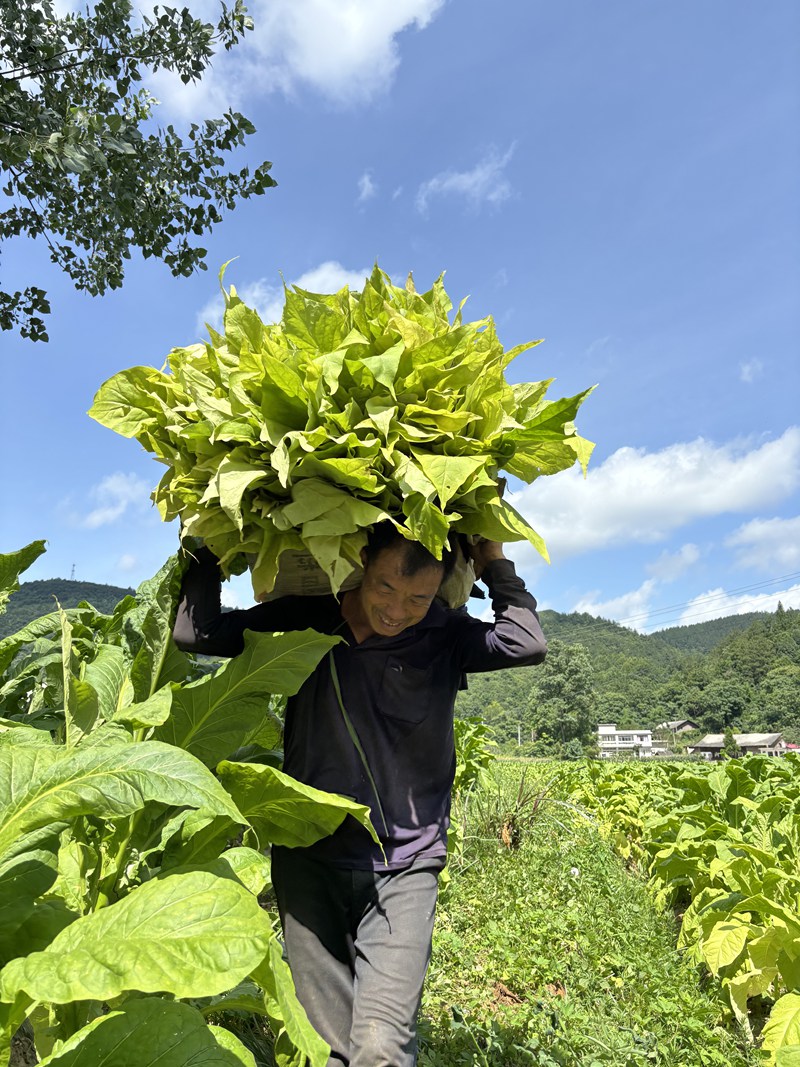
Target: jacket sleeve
[
  {"x": 202, "y": 626},
  {"x": 515, "y": 638}
]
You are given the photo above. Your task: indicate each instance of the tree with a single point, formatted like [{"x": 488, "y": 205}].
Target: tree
[
  {"x": 730, "y": 749},
  {"x": 84, "y": 169},
  {"x": 779, "y": 697},
  {"x": 723, "y": 703},
  {"x": 563, "y": 703}
]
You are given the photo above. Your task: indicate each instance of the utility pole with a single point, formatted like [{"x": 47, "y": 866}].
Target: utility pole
[{"x": 72, "y": 573}]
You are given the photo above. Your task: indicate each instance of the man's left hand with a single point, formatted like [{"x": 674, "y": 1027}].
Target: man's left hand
[{"x": 484, "y": 552}]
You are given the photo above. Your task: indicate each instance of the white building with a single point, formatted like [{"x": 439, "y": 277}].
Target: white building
[{"x": 614, "y": 742}]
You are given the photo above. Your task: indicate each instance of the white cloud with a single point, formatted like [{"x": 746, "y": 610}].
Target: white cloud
[
  {"x": 127, "y": 562},
  {"x": 631, "y": 609},
  {"x": 671, "y": 565},
  {"x": 267, "y": 298},
  {"x": 716, "y": 603},
  {"x": 768, "y": 544},
  {"x": 346, "y": 50},
  {"x": 237, "y": 592},
  {"x": 113, "y": 496},
  {"x": 640, "y": 497},
  {"x": 750, "y": 370},
  {"x": 366, "y": 187},
  {"x": 485, "y": 183}
]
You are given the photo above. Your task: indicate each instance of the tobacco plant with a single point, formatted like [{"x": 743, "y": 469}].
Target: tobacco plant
[
  {"x": 722, "y": 844},
  {"x": 133, "y": 838}
]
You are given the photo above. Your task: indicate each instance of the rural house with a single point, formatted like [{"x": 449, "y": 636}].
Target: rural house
[
  {"x": 711, "y": 745},
  {"x": 676, "y": 726},
  {"x": 614, "y": 742}
]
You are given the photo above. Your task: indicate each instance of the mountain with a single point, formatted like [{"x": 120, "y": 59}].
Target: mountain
[
  {"x": 33, "y": 599},
  {"x": 703, "y": 636}
]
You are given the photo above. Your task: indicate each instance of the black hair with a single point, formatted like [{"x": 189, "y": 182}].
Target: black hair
[{"x": 416, "y": 556}]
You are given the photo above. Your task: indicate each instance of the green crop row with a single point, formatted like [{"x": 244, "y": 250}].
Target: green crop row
[{"x": 721, "y": 844}]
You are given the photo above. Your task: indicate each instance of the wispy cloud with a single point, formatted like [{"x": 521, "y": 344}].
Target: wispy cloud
[
  {"x": 634, "y": 608},
  {"x": 267, "y": 298},
  {"x": 112, "y": 498},
  {"x": 237, "y": 592},
  {"x": 367, "y": 188},
  {"x": 127, "y": 562},
  {"x": 348, "y": 51},
  {"x": 750, "y": 371},
  {"x": 716, "y": 603},
  {"x": 641, "y": 497},
  {"x": 768, "y": 545},
  {"x": 631, "y": 609},
  {"x": 485, "y": 183},
  {"x": 672, "y": 565}
]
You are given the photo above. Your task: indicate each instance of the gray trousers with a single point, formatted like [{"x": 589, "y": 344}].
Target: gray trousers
[{"x": 358, "y": 945}]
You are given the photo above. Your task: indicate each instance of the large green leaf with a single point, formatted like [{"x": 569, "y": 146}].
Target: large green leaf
[
  {"x": 150, "y": 1033},
  {"x": 190, "y": 934},
  {"x": 81, "y": 704},
  {"x": 147, "y": 628},
  {"x": 129, "y": 403},
  {"x": 725, "y": 943},
  {"x": 285, "y": 1010},
  {"x": 40, "y": 786},
  {"x": 783, "y": 1026},
  {"x": 214, "y": 716},
  {"x": 230, "y": 1043},
  {"x": 23, "y": 879},
  {"x": 283, "y": 811},
  {"x": 12, "y": 564}
]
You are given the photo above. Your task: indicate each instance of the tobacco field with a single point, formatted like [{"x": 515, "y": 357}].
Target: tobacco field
[{"x": 592, "y": 914}]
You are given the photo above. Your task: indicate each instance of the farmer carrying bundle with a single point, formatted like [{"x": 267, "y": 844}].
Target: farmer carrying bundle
[{"x": 364, "y": 429}]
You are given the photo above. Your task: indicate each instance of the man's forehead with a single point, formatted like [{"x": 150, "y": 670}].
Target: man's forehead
[{"x": 391, "y": 562}]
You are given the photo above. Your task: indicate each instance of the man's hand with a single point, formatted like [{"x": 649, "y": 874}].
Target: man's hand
[{"x": 483, "y": 553}]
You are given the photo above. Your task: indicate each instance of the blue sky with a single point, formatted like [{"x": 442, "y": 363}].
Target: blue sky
[{"x": 617, "y": 177}]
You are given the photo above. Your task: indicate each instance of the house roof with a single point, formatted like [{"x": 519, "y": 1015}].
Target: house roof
[
  {"x": 676, "y": 724},
  {"x": 742, "y": 740}
]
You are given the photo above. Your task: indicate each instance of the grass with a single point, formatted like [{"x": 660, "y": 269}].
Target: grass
[{"x": 551, "y": 953}]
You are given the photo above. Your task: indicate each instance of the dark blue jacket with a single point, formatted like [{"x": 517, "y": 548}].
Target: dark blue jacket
[{"x": 399, "y": 693}]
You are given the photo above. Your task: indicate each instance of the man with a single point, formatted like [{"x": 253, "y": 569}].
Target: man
[{"x": 358, "y": 921}]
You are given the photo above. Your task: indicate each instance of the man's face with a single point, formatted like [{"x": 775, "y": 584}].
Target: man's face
[{"x": 391, "y": 601}]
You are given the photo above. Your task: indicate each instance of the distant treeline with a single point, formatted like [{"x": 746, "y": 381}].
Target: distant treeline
[{"x": 741, "y": 671}]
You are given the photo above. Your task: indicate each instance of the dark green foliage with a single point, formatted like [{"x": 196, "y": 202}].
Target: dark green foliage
[
  {"x": 702, "y": 637},
  {"x": 83, "y": 165},
  {"x": 749, "y": 680},
  {"x": 34, "y": 599},
  {"x": 729, "y": 748}
]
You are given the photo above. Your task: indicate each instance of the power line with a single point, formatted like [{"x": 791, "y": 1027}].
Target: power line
[{"x": 709, "y": 605}]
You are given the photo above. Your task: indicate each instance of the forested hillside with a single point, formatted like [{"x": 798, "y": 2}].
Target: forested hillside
[
  {"x": 33, "y": 599},
  {"x": 704, "y": 637},
  {"x": 597, "y": 671}
]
